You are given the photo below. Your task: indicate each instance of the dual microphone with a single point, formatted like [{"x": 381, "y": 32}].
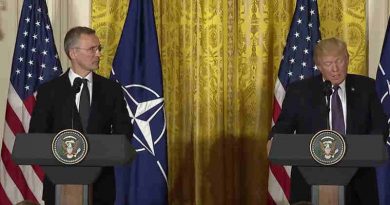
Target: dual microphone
[
  {"x": 76, "y": 88},
  {"x": 327, "y": 88},
  {"x": 77, "y": 85}
]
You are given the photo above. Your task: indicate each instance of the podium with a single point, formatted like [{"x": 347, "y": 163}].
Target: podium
[
  {"x": 104, "y": 151},
  {"x": 361, "y": 151}
]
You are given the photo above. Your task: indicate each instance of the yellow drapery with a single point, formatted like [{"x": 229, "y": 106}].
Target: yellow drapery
[{"x": 220, "y": 59}]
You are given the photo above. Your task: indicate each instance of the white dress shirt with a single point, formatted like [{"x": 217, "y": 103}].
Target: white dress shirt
[{"x": 72, "y": 76}]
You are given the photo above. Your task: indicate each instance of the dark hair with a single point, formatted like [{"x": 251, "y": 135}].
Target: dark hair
[
  {"x": 73, "y": 35},
  {"x": 27, "y": 202}
]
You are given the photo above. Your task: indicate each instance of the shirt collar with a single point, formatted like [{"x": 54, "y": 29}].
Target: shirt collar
[
  {"x": 342, "y": 86},
  {"x": 73, "y": 75}
]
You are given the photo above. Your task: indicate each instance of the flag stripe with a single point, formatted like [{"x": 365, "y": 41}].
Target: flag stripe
[
  {"x": 33, "y": 181},
  {"x": 279, "y": 92},
  {"x": 282, "y": 175},
  {"x": 277, "y": 110},
  {"x": 19, "y": 107},
  {"x": 276, "y": 192},
  {"x": 29, "y": 105},
  {"x": 3, "y": 197},
  {"x": 34, "y": 178},
  {"x": 16, "y": 174},
  {"x": 270, "y": 198},
  {"x": 12, "y": 193},
  {"x": 39, "y": 172},
  {"x": 13, "y": 121},
  {"x": 9, "y": 137}
]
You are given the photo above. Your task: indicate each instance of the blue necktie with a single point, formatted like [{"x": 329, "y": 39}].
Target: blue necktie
[
  {"x": 337, "y": 112},
  {"x": 84, "y": 104}
]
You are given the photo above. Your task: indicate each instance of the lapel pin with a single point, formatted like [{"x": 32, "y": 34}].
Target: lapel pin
[{"x": 353, "y": 89}]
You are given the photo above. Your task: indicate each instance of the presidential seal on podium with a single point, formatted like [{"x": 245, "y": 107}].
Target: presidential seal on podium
[
  {"x": 327, "y": 147},
  {"x": 69, "y": 146}
]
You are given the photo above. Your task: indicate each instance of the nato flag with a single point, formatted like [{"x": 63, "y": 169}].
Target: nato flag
[
  {"x": 137, "y": 68},
  {"x": 383, "y": 88}
]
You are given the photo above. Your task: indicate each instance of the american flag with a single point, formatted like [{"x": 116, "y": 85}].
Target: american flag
[
  {"x": 296, "y": 64},
  {"x": 383, "y": 90},
  {"x": 35, "y": 61}
]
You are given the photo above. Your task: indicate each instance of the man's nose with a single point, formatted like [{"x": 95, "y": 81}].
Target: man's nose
[
  {"x": 334, "y": 67},
  {"x": 98, "y": 53}
]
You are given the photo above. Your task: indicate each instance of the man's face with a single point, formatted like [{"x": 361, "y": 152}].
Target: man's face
[
  {"x": 334, "y": 67},
  {"x": 86, "y": 54}
]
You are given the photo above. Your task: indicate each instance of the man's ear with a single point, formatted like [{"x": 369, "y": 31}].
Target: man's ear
[{"x": 72, "y": 53}]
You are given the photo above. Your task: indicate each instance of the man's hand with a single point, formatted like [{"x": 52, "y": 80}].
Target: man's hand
[{"x": 269, "y": 143}]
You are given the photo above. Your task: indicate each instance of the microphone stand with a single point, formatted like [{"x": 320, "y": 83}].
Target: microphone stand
[
  {"x": 75, "y": 88},
  {"x": 327, "y": 111},
  {"x": 315, "y": 189},
  {"x": 327, "y": 90}
]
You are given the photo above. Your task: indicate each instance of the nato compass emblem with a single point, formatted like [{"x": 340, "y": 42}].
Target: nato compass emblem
[
  {"x": 327, "y": 147},
  {"x": 146, "y": 110},
  {"x": 69, "y": 146}
]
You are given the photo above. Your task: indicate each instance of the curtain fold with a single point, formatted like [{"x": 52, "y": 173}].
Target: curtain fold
[{"x": 220, "y": 59}]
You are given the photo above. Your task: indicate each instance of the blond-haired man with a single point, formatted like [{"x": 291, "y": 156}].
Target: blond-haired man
[{"x": 304, "y": 111}]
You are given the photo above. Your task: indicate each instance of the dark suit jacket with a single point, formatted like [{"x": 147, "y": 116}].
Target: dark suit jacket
[
  {"x": 55, "y": 110},
  {"x": 304, "y": 111}
]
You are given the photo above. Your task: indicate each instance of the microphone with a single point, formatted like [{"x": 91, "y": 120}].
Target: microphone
[
  {"x": 77, "y": 85},
  {"x": 327, "y": 90},
  {"x": 76, "y": 88}
]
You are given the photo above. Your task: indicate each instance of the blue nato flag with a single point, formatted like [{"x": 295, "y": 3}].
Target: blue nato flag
[
  {"x": 137, "y": 68},
  {"x": 383, "y": 88}
]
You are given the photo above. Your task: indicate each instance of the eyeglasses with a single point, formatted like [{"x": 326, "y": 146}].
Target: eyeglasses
[{"x": 93, "y": 49}]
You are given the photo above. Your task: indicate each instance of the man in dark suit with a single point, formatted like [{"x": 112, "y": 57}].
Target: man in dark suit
[
  {"x": 57, "y": 106},
  {"x": 304, "y": 111}
]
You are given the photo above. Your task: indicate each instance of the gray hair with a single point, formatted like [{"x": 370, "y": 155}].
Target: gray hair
[{"x": 73, "y": 35}]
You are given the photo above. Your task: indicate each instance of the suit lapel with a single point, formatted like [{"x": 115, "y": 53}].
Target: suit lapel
[
  {"x": 96, "y": 87},
  {"x": 69, "y": 103},
  {"x": 66, "y": 90},
  {"x": 351, "y": 100},
  {"x": 320, "y": 100}
]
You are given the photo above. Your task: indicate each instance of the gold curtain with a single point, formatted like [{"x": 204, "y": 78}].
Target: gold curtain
[
  {"x": 108, "y": 17},
  {"x": 220, "y": 59}
]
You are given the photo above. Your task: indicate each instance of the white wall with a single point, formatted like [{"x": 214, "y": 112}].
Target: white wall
[
  {"x": 64, "y": 14},
  {"x": 8, "y": 27},
  {"x": 377, "y": 15}
]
